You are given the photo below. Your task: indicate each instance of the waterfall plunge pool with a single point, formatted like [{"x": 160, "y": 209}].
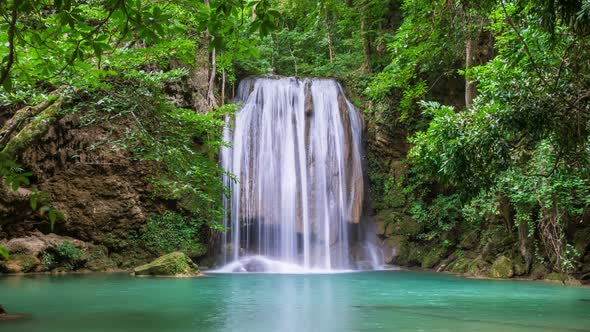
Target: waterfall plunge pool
[{"x": 361, "y": 301}]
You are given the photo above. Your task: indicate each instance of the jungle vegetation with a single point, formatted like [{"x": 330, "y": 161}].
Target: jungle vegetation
[{"x": 514, "y": 146}]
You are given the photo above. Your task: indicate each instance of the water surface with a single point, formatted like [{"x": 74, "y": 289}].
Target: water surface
[{"x": 372, "y": 301}]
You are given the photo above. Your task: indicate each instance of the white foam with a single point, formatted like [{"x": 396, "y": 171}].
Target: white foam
[{"x": 262, "y": 264}]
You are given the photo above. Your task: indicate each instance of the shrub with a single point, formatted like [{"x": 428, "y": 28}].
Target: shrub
[{"x": 171, "y": 232}]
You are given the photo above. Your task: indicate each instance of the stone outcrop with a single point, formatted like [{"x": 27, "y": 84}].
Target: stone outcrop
[
  {"x": 175, "y": 264},
  {"x": 53, "y": 253},
  {"x": 502, "y": 268}
]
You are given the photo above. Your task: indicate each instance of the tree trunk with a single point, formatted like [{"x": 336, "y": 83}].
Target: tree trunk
[
  {"x": 210, "y": 94},
  {"x": 223, "y": 87},
  {"x": 366, "y": 44},
  {"x": 329, "y": 36},
  {"x": 524, "y": 243},
  {"x": 22, "y": 115},
  {"x": 470, "y": 88}
]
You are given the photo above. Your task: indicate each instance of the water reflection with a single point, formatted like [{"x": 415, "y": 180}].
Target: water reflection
[{"x": 289, "y": 303}]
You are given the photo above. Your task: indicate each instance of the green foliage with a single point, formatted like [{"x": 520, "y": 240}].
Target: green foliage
[
  {"x": 61, "y": 42},
  {"x": 48, "y": 261},
  {"x": 12, "y": 174},
  {"x": 192, "y": 176},
  {"x": 65, "y": 255},
  {"x": 4, "y": 253},
  {"x": 524, "y": 143},
  {"x": 117, "y": 58},
  {"x": 171, "y": 232},
  {"x": 68, "y": 252},
  {"x": 439, "y": 216}
]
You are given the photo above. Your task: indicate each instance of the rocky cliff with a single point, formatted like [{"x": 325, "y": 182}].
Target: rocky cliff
[{"x": 83, "y": 166}]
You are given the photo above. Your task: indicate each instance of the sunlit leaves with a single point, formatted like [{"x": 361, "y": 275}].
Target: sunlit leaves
[
  {"x": 4, "y": 252},
  {"x": 12, "y": 174}
]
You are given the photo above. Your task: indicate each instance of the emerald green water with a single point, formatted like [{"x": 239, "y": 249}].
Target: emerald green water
[{"x": 372, "y": 301}]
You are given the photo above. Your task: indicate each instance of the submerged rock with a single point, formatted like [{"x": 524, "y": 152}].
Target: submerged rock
[
  {"x": 502, "y": 268},
  {"x": 563, "y": 279},
  {"x": 5, "y": 316},
  {"x": 173, "y": 264}
]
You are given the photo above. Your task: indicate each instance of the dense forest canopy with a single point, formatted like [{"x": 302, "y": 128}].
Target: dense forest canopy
[{"x": 514, "y": 144}]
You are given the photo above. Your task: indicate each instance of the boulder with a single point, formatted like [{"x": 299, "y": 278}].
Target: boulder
[
  {"x": 521, "y": 268},
  {"x": 30, "y": 245},
  {"x": 563, "y": 279},
  {"x": 502, "y": 268},
  {"x": 478, "y": 267},
  {"x": 538, "y": 270},
  {"x": 36, "y": 243},
  {"x": 173, "y": 264}
]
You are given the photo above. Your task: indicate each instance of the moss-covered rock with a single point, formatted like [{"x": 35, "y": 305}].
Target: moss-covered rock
[
  {"x": 460, "y": 265},
  {"x": 406, "y": 226},
  {"x": 502, "y": 268},
  {"x": 19, "y": 263},
  {"x": 432, "y": 258},
  {"x": 582, "y": 240},
  {"x": 97, "y": 259},
  {"x": 521, "y": 268},
  {"x": 563, "y": 279},
  {"x": 173, "y": 264},
  {"x": 469, "y": 241},
  {"x": 410, "y": 254},
  {"x": 478, "y": 267},
  {"x": 391, "y": 223},
  {"x": 496, "y": 241},
  {"x": 538, "y": 270}
]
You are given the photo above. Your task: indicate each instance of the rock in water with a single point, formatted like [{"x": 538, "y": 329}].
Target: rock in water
[
  {"x": 173, "y": 264},
  {"x": 4, "y": 316}
]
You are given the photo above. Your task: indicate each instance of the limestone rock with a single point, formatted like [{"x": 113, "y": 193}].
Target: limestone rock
[
  {"x": 40, "y": 252},
  {"x": 173, "y": 264},
  {"x": 502, "y": 268},
  {"x": 521, "y": 268},
  {"x": 563, "y": 279},
  {"x": 391, "y": 248},
  {"x": 30, "y": 245},
  {"x": 538, "y": 271},
  {"x": 19, "y": 264}
]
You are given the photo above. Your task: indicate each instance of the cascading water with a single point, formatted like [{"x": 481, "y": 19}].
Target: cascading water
[{"x": 296, "y": 203}]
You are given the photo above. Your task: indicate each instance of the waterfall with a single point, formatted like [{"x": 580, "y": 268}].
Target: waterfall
[{"x": 297, "y": 195}]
